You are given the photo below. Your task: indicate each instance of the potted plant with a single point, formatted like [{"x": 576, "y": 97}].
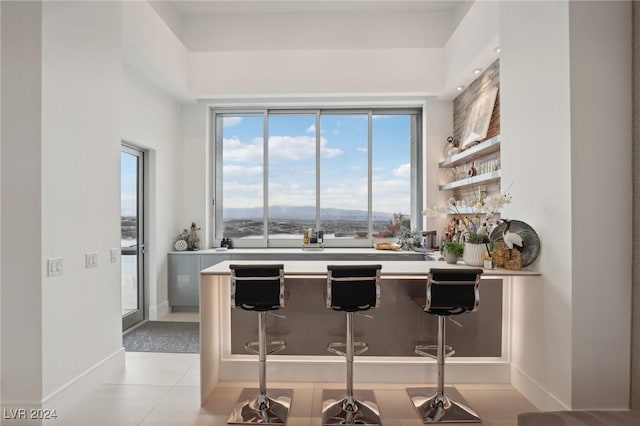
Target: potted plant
[
  {"x": 466, "y": 227},
  {"x": 452, "y": 251}
]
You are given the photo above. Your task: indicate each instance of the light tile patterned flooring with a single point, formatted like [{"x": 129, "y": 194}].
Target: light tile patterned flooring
[{"x": 158, "y": 389}]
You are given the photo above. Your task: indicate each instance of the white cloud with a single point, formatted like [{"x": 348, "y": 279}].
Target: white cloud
[
  {"x": 362, "y": 149},
  {"x": 391, "y": 195},
  {"x": 402, "y": 171},
  {"x": 231, "y": 121},
  {"x": 292, "y": 148},
  {"x": 233, "y": 171},
  {"x": 311, "y": 129},
  {"x": 234, "y": 149},
  {"x": 345, "y": 194},
  {"x": 281, "y": 149}
]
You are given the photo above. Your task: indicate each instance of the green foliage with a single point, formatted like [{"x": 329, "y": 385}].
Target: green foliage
[
  {"x": 409, "y": 239},
  {"x": 477, "y": 238},
  {"x": 453, "y": 247}
]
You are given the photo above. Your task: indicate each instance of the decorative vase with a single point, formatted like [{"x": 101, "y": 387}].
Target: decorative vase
[
  {"x": 450, "y": 257},
  {"x": 474, "y": 254},
  {"x": 450, "y": 150}
]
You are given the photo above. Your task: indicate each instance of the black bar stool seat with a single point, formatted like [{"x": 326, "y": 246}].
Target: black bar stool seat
[
  {"x": 260, "y": 288},
  {"x": 351, "y": 288},
  {"x": 449, "y": 291}
]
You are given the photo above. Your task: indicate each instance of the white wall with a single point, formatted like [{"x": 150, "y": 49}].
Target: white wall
[
  {"x": 320, "y": 71},
  {"x": 150, "y": 47},
  {"x": 195, "y": 160},
  {"x": 601, "y": 199},
  {"x": 534, "y": 90},
  {"x": 306, "y": 29},
  {"x": 151, "y": 120},
  {"x": 570, "y": 347},
  {"x": 471, "y": 46},
  {"x": 439, "y": 116},
  {"x": 81, "y": 77},
  {"x": 22, "y": 262}
]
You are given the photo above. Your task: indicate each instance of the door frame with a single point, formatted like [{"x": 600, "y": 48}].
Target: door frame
[{"x": 141, "y": 314}]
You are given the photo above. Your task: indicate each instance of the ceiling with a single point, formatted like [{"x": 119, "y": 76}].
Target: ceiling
[{"x": 209, "y": 7}]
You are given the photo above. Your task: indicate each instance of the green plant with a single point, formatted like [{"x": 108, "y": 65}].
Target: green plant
[
  {"x": 453, "y": 248},
  {"x": 477, "y": 238}
]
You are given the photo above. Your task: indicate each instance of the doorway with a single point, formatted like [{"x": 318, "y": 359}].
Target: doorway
[{"x": 132, "y": 195}]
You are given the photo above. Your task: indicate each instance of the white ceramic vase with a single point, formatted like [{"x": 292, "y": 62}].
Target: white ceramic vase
[
  {"x": 474, "y": 254},
  {"x": 450, "y": 257}
]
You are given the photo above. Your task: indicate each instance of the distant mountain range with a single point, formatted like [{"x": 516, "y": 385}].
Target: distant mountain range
[{"x": 302, "y": 212}]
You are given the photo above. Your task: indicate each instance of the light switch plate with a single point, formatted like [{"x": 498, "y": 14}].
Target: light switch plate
[
  {"x": 91, "y": 260},
  {"x": 55, "y": 266},
  {"x": 114, "y": 255}
]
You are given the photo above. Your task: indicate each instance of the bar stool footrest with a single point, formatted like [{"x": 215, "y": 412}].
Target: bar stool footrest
[
  {"x": 272, "y": 347},
  {"x": 358, "y": 348},
  {"x": 433, "y": 407},
  {"x": 247, "y": 410},
  {"x": 431, "y": 351},
  {"x": 336, "y": 410}
]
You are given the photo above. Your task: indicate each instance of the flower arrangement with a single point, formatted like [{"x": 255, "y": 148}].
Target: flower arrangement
[
  {"x": 396, "y": 225},
  {"x": 409, "y": 239},
  {"x": 466, "y": 225}
]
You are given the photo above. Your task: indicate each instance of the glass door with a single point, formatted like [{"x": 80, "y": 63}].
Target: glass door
[{"x": 132, "y": 235}]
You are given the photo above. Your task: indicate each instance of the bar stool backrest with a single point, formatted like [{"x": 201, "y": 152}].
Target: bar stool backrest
[
  {"x": 257, "y": 287},
  {"x": 452, "y": 291},
  {"x": 352, "y": 288}
]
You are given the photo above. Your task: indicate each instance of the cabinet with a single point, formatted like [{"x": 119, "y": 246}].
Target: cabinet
[
  {"x": 184, "y": 278},
  {"x": 185, "y": 267},
  {"x": 486, "y": 155}
]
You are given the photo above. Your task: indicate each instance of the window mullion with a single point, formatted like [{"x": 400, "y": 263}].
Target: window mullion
[
  {"x": 318, "y": 169},
  {"x": 370, "y": 172},
  {"x": 265, "y": 178}
]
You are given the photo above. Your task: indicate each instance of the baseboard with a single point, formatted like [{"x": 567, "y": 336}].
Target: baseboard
[
  {"x": 535, "y": 392},
  {"x": 407, "y": 370},
  {"x": 156, "y": 312},
  {"x": 89, "y": 378},
  {"x": 20, "y": 412}
]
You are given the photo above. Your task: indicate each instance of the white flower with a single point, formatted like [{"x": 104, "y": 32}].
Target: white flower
[{"x": 435, "y": 211}]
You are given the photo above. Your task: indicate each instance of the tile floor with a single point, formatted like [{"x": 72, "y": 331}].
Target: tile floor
[{"x": 162, "y": 389}]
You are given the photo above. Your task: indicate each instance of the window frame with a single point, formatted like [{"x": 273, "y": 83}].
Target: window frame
[{"x": 417, "y": 143}]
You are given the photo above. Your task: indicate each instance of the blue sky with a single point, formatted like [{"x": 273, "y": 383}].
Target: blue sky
[
  {"x": 343, "y": 158},
  {"x": 128, "y": 180}
]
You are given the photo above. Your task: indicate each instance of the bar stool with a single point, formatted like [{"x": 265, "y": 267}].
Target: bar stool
[
  {"x": 351, "y": 288},
  {"x": 449, "y": 292},
  {"x": 260, "y": 288}
]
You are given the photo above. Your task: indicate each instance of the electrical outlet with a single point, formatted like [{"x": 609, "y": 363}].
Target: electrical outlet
[
  {"x": 91, "y": 260},
  {"x": 54, "y": 266},
  {"x": 114, "y": 255}
]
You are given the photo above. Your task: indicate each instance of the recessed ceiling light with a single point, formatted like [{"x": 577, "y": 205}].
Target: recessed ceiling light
[
  {"x": 497, "y": 49},
  {"x": 460, "y": 88},
  {"x": 477, "y": 71}
]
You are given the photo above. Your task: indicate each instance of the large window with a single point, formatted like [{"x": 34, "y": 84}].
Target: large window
[{"x": 352, "y": 173}]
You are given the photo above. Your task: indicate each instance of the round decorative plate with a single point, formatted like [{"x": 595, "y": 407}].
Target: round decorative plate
[
  {"x": 530, "y": 240},
  {"x": 181, "y": 245}
]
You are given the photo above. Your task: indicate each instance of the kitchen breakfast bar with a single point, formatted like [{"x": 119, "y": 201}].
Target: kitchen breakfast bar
[{"x": 481, "y": 339}]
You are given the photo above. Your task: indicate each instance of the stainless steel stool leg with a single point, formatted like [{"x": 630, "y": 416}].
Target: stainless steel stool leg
[
  {"x": 340, "y": 408},
  {"x": 271, "y": 409},
  {"x": 432, "y": 404}
]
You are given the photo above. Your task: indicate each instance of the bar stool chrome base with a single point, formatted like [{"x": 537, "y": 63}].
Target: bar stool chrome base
[
  {"x": 339, "y": 409},
  {"x": 434, "y": 407},
  {"x": 275, "y": 410}
]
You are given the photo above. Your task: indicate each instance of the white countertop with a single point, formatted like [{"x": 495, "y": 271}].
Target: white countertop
[
  {"x": 329, "y": 250},
  {"x": 393, "y": 268}
]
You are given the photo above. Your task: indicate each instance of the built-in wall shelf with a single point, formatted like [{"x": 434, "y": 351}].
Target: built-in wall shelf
[
  {"x": 474, "y": 180},
  {"x": 470, "y": 154}
]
